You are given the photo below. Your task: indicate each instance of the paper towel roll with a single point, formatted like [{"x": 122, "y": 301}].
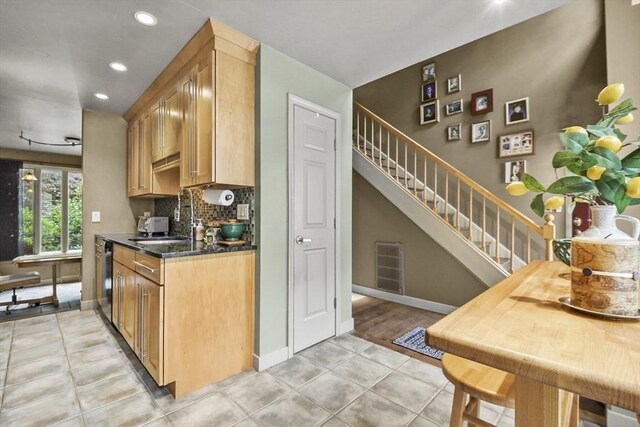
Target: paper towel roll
[{"x": 218, "y": 197}]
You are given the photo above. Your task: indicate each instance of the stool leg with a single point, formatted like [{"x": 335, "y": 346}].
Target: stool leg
[
  {"x": 474, "y": 409},
  {"x": 457, "y": 409}
]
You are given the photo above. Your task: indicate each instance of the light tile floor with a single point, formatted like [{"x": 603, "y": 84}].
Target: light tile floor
[
  {"x": 68, "y": 297},
  {"x": 68, "y": 369}
]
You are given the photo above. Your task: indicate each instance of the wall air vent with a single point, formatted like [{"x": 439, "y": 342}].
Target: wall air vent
[{"x": 390, "y": 267}]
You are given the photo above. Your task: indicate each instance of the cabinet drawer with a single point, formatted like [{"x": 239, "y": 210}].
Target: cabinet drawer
[
  {"x": 149, "y": 267},
  {"x": 124, "y": 256}
]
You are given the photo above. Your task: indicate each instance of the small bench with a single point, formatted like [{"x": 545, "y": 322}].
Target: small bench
[{"x": 18, "y": 281}]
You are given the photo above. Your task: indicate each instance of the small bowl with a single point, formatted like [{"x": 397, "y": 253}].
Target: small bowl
[
  {"x": 232, "y": 232},
  {"x": 562, "y": 250}
]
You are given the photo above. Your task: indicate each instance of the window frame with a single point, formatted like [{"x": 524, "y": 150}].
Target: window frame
[{"x": 37, "y": 208}]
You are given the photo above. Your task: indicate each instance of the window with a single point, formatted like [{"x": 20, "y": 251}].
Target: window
[{"x": 50, "y": 211}]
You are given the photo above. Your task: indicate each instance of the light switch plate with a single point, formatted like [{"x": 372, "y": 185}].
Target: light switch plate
[
  {"x": 243, "y": 211},
  {"x": 95, "y": 216}
]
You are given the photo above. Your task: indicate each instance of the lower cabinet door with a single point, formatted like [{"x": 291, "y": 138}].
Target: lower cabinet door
[
  {"x": 150, "y": 324},
  {"x": 116, "y": 292},
  {"x": 129, "y": 308}
]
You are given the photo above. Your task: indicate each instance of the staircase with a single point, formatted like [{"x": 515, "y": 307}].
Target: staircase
[{"x": 475, "y": 226}]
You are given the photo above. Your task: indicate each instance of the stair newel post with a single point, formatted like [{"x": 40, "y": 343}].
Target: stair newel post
[{"x": 548, "y": 234}]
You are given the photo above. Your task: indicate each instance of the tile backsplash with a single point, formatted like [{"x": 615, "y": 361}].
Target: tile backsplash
[{"x": 207, "y": 212}]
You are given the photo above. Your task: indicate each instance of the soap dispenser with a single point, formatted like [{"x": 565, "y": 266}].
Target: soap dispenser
[{"x": 200, "y": 231}]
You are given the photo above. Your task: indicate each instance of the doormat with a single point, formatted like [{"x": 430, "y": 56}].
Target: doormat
[{"x": 414, "y": 340}]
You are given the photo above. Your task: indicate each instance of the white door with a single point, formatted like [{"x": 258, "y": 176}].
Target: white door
[{"x": 313, "y": 248}]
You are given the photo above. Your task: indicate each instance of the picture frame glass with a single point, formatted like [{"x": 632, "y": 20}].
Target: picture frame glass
[
  {"x": 429, "y": 72},
  {"x": 517, "y": 111},
  {"x": 454, "y": 132},
  {"x": 513, "y": 170},
  {"x": 481, "y": 132},
  {"x": 516, "y": 144}
]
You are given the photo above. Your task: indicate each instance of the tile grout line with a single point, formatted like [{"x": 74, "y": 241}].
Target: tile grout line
[{"x": 66, "y": 356}]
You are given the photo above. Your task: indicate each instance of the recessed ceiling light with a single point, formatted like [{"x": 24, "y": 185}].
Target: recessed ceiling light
[
  {"x": 118, "y": 66},
  {"x": 145, "y": 18},
  {"x": 101, "y": 96}
]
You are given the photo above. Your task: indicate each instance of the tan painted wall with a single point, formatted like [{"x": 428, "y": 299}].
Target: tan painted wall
[
  {"x": 560, "y": 69},
  {"x": 41, "y": 158},
  {"x": 104, "y": 160},
  {"x": 555, "y": 59},
  {"x": 431, "y": 273},
  {"x": 623, "y": 61}
]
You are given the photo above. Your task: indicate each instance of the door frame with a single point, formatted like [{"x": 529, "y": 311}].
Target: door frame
[{"x": 293, "y": 101}]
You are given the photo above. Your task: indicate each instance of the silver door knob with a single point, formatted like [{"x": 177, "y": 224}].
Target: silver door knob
[{"x": 300, "y": 240}]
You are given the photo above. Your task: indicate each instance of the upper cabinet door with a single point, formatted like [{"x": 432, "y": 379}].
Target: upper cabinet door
[
  {"x": 156, "y": 131},
  {"x": 133, "y": 164},
  {"x": 186, "y": 138},
  {"x": 144, "y": 155},
  {"x": 171, "y": 121},
  {"x": 203, "y": 137}
]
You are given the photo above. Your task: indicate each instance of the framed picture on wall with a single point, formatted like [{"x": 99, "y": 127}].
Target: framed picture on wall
[
  {"x": 454, "y": 84},
  {"x": 513, "y": 170},
  {"x": 454, "y": 132},
  {"x": 516, "y": 144},
  {"x": 481, "y": 131},
  {"x": 482, "y": 102},
  {"x": 429, "y": 72},
  {"x": 454, "y": 107},
  {"x": 429, "y": 112},
  {"x": 516, "y": 111},
  {"x": 429, "y": 91}
]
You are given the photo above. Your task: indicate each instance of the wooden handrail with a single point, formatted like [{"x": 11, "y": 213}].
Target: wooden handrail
[{"x": 453, "y": 171}]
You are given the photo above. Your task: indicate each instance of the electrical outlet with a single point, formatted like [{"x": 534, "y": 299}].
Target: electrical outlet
[
  {"x": 95, "y": 216},
  {"x": 243, "y": 211},
  {"x": 176, "y": 215}
]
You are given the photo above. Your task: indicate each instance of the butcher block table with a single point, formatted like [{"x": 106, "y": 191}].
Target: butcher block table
[
  {"x": 30, "y": 261},
  {"x": 520, "y": 327}
]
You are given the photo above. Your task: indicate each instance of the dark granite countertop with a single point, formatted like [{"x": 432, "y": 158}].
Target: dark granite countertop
[{"x": 171, "y": 250}]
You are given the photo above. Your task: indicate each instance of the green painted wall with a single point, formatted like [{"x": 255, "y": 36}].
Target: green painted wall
[{"x": 277, "y": 76}]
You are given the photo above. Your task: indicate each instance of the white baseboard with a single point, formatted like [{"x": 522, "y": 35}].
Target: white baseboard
[
  {"x": 88, "y": 305},
  {"x": 403, "y": 299},
  {"x": 344, "y": 327},
  {"x": 261, "y": 363}
]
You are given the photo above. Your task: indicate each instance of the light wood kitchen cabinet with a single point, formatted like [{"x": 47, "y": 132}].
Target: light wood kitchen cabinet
[
  {"x": 188, "y": 319},
  {"x": 139, "y": 157},
  {"x": 166, "y": 116},
  {"x": 218, "y": 122},
  {"x": 150, "y": 334},
  {"x": 202, "y": 111}
]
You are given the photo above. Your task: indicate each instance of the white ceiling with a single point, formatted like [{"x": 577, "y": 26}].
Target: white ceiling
[{"x": 54, "y": 54}]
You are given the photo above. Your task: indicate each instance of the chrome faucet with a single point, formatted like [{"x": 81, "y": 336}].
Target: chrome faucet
[{"x": 192, "y": 222}]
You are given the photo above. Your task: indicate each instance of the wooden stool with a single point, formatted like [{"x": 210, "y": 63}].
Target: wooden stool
[
  {"x": 18, "y": 281},
  {"x": 480, "y": 382}
]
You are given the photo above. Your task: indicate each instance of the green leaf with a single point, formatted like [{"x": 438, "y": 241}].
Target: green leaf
[
  {"x": 571, "y": 185},
  {"x": 631, "y": 162},
  {"x": 600, "y": 131},
  {"x": 587, "y": 161},
  {"x": 620, "y": 110},
  {"x": 608, "y": 185},
  {"x": 537, "y": 205},
  {"x": 576, "y": 169},
  {"x": 574, "y": 141},
  {"x": 621, "y": 136},
  {"x": 532, "y": 184},
  {"x": 565, "y": 158},
  {"x": 621, "y": 199},
  {"x": 606, "y": 158}
]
